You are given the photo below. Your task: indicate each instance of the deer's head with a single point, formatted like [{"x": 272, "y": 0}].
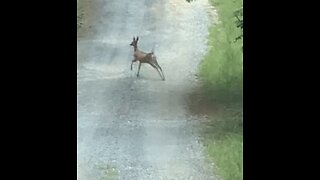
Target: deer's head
[{"x": 134, "y": 43}]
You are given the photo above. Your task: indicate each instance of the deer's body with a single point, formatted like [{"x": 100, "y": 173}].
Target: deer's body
[{"x": 143, "y": 57}]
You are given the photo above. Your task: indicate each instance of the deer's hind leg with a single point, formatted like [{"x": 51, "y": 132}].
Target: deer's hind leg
[{"x": 155, "y": 66}]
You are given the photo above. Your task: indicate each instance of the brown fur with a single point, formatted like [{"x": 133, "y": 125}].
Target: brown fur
[{"x": 143, "y": 57}]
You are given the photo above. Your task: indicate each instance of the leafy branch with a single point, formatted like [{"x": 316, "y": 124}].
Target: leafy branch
[{"x": 239, "y": 23}]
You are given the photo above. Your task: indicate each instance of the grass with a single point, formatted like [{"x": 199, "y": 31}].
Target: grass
[
  {"x": 221, "y": 73},
  {"x": 80, "y": 14},
  {"x": 227, "y": 154},
  {"x": 108, "y": 173},
  {"x": 221, "y": 70},
  {"x": 223, "y": 141}
]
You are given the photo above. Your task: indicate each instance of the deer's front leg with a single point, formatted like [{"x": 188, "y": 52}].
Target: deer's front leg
[
  {"x": 132, "y": 63},
  {"x": 139, "y": 69}
]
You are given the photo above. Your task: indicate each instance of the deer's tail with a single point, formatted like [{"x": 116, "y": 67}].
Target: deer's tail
[{"x": 152, "y": 50}]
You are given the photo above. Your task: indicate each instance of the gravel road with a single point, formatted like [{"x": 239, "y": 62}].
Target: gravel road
[{"x": 139, "y": 128}]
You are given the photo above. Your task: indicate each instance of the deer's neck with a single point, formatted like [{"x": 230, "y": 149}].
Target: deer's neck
[{"x": 135, "y": 48}]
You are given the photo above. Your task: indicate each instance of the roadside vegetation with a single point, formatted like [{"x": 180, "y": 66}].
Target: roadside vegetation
[
  {"x": 80, "y": 14},
  {"x": 108, "y": 173},
  {"x": 221, "y": 92},
  {"x": 85, "y": 14}
]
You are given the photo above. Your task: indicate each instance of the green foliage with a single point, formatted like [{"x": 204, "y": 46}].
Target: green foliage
[
  {"x": 227, "y": 155},
  {"x": 239, "y": 15},
  {"x": 223, "y": 140},
  {"x": 221, "y": 72},
  {"x": 222, "y": 67}
]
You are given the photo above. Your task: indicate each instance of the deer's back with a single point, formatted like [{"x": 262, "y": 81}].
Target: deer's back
[{"x": 142, "y": 56}]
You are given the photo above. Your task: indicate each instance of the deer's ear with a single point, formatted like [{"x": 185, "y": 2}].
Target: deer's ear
[
  {"x": 137, "y": 38},
  {"x": 133, "y": 39}
]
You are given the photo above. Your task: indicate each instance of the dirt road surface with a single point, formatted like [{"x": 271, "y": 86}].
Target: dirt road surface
[{"x": 139, "y": 128}]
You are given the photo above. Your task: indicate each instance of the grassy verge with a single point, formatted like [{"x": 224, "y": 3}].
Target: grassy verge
[
  {"x": 86, "y": 13},
  {"x": 223, "y": 141},
  {"x": 221, "y": 73},
  {"x": 80, "y": 13},
  {"x": 221, "y": 69},
  {"x": 109, "y": 173}
]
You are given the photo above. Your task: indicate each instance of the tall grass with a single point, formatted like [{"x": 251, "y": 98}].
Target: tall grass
[
  {"x": 221, "y": 72},
  {"x": 221, "y": 69},
  {"x": 228, "y": 157},
  {"x": 80, "y": 14}
]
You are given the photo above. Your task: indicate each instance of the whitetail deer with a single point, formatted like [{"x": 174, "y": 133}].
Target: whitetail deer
[{"x": 143, "y": 57}]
